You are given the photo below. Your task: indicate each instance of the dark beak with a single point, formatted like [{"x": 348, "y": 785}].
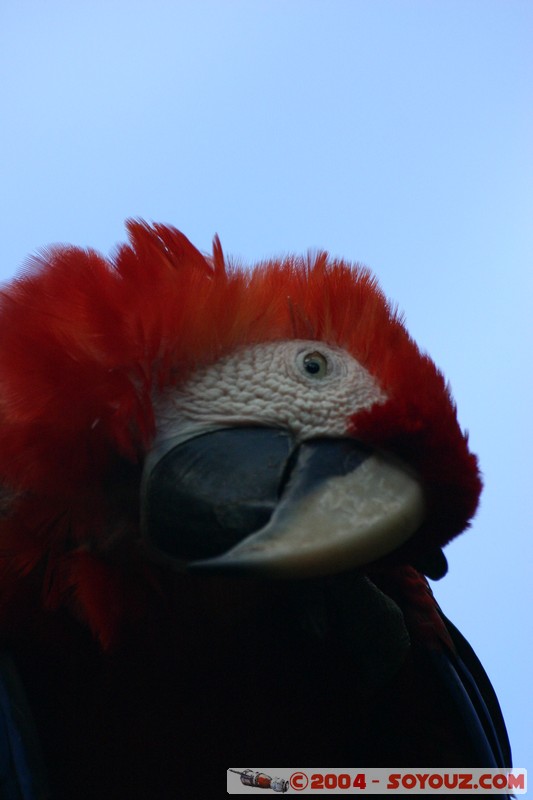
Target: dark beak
[{"x": 253, "y": 500}]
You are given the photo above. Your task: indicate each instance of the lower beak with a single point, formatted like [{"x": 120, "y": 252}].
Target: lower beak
[{"x": 252, "y": 501}]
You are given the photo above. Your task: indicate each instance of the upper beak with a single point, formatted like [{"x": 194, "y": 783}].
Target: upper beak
[{"x": 252, "y": 500}]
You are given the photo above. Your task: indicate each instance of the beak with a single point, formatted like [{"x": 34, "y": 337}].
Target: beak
[{"x": 253, "y": 501}]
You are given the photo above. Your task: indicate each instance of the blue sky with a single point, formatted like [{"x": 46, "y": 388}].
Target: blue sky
[{"x": 396, "y": 133}]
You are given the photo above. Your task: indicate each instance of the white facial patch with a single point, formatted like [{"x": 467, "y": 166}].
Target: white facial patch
[{"x": 306, "y": 387}]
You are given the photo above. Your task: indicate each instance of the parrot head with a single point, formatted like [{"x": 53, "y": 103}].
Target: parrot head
[{"x": 166, "y": 411}]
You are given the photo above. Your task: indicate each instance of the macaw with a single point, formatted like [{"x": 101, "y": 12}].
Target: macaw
[{"x": 222, "y": 493}]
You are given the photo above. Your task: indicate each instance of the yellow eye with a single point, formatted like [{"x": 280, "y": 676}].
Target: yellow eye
[{"x": 315, "y": 365}]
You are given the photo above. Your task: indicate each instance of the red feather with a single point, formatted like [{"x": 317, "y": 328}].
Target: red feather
[{"x": 86, "y": 344}]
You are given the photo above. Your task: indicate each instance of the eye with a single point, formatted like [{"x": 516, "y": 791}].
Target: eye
[{"x": 315, "y": 365}]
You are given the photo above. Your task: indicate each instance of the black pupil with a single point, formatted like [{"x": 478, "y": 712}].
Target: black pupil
[{"x": 312, "y": 366}]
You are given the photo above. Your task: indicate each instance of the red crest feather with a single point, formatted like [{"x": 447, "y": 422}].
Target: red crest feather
[{"x": 86, "y": 344}]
